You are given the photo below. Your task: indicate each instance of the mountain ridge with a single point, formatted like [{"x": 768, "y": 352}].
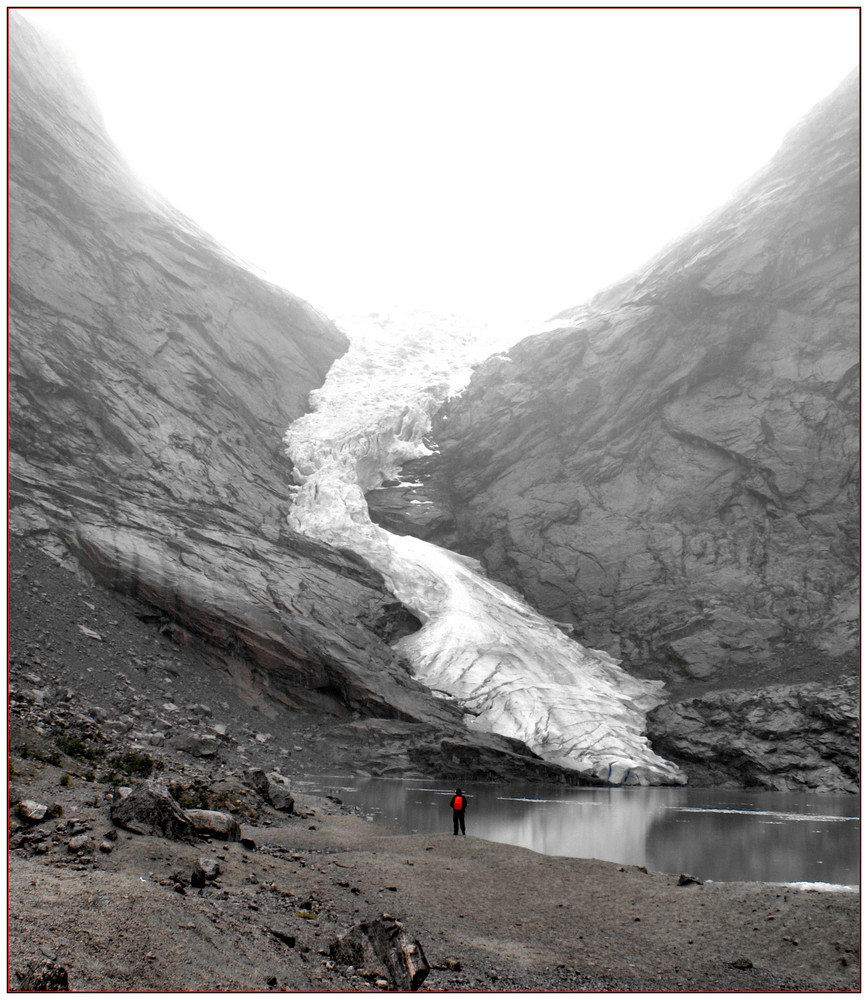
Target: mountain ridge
[
  {"x": 671, "y": 470},
  {"x": 152, "y": 378}
]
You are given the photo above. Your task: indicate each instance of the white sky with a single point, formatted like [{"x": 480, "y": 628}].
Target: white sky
[{"x": 494, "y": 161}]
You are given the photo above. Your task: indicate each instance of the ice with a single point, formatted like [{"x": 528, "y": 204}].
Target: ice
[{"x": 513, "y": 671}]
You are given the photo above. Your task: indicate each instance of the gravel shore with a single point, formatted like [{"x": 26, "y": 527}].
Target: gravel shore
[{"x": 119, "y": 911}]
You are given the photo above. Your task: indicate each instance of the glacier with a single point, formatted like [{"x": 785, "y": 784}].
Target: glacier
[{"x": 512, "y": 670}]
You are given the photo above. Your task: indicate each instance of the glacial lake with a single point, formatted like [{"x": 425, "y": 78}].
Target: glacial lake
[{"x": 724, "y": 835}]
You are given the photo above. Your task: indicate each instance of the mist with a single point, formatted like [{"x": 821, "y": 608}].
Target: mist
[{"x": 490, "y": 163}]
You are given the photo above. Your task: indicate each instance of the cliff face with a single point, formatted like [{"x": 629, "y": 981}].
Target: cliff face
[
  {"x": 152, "y": 380},
  {"x": 672, "y": 471}
]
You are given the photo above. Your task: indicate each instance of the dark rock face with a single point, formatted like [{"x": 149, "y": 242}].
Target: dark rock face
[
  {"x": 152, "y": 380},
  {"x": 394, "y": 748},
  {"x": 673, "y": 471},
  {"x": 791, "y": 737},
  {"x": 420, "y": 504}
]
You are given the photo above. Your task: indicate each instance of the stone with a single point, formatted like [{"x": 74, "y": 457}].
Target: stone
[
  {"x": 274, "y": 788},
  {"x": 82, "y": 844},
  {"x": 205, "y": 870},
  {"x": 31, "y": 812},
  {"x": 279, "y": 793},
  {"x": 200, "y": 745},
  {"x": 282, "y": 935},
  {"x": 259, "y": 780},
  {"x": 689, "y": 880},
  {"x": 383, "y": 944},
  {"x": 212, "y": 823},
  {"x": 150, "y": 809}
]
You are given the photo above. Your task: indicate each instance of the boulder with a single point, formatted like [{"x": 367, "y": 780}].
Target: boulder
[
  {"x": 205, "y": 871},
  {"x": 259, "y": 780},
  {"x": 383, "y": 944},
  {"x": 31, "y": 812},
  {"x": 274, "y": 788},
  {"x": 150, "y": 809},
  {"x": 82, "y": 844},
  {"x": 279, "y": 794},
  {"x": 211, "y": 823},
  {"x": 208, "y": 867},
  {"x": 197, "y": 744}
]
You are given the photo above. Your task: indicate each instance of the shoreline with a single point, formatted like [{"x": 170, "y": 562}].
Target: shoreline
[
  {"x": 119, "y": 912},
  {"x": 511, "y": 918},
  {"x": 537, "y": 819}
]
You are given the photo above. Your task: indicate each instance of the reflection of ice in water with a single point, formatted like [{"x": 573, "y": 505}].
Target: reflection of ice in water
[
  {"x": 560, "y": 802},
  {"x": 513, "y": 671},
  {"x": 791, "y": 817},
  {"x": 666, "y": 829}
]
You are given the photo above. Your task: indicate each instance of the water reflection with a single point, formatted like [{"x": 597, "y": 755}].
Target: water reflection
[{"x": 725, "y": 835}]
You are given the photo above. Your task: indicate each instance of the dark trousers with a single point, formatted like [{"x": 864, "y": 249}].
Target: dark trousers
[{"x": 457, "y": 820}]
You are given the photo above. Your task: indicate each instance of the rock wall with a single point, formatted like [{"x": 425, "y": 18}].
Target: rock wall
[
  {"x": 671, "y": 471},
  {"x": 798, "y": 736}
]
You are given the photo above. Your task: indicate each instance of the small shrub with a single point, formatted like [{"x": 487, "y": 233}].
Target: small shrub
[
  {"x": 136, "y": 765},
  {"x": 65, "y": 780},
  {"x": 79, "y": 747},
  {"x": 194, "y": 797}
]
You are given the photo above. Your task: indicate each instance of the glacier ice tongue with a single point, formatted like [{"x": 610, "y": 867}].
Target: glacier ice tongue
[{"x": 514, "y": 672}]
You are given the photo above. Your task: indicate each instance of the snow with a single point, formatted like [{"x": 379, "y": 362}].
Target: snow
[{"x": 514, "y": 671}]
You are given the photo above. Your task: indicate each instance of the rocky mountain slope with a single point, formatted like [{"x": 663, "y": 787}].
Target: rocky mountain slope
[
  {"x": 152, "y": 379},
  {"x": 672, "y": 470}
]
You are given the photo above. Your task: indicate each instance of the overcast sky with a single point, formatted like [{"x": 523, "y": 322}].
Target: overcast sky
[{"x": 493, "y": 161}]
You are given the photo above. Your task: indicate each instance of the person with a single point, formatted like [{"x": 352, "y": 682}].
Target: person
[{"x": 459, "y": 806}]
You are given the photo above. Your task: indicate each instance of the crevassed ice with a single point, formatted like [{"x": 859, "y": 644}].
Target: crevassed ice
[{"x": 514, "y": 672}]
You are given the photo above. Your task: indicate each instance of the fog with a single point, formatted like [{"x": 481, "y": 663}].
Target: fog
[{"x": 489, "y": 162}]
